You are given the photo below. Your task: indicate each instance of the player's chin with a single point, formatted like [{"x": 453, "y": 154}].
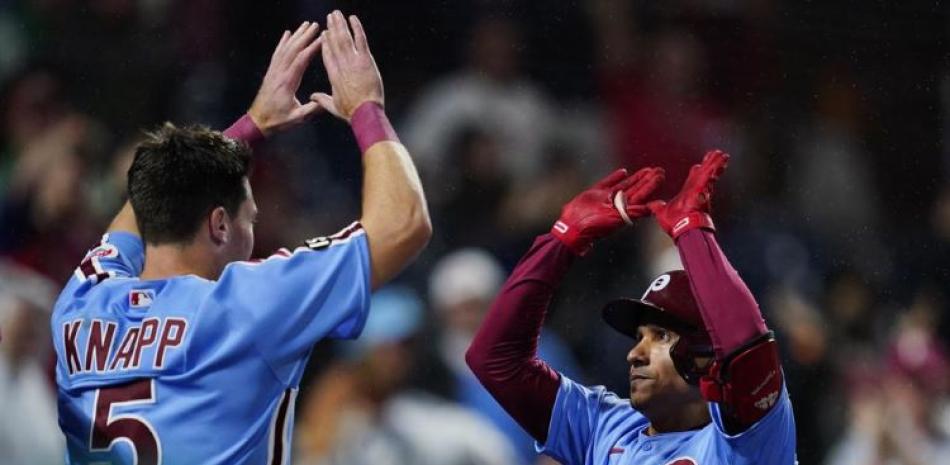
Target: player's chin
[
  {"x": 638, "y": 397},
  {"x": 638, "y": 401}
]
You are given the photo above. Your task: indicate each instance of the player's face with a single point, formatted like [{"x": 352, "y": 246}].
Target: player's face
[
  {"x": 654, "y": 381},
  {"x": 242, "y": 238}
]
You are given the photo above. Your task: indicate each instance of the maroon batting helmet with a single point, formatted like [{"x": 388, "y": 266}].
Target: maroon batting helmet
[{"x": 668, "y": 302}]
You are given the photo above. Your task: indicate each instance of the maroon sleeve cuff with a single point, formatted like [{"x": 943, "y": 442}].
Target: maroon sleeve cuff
[
  {"x": 370, "y": 125},
  {"x": 245, "y": 130},
  {"x": 730, "y": 313}
]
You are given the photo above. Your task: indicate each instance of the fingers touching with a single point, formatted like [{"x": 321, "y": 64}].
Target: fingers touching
[
  {"x": 276, "y": 106},
  {"x": 345, "y": 54},
  {"x": 354, "y": 76},
  {"x": 656, "y": 206},
  {"x": 325, "y": 100}
]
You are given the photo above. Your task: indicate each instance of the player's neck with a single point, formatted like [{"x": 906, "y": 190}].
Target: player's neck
[
  {"x": 691, "y": 416},
  {"x": 169, "y": 260}
]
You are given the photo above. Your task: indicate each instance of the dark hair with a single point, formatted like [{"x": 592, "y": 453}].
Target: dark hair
[{"x": 179, "y": 175}]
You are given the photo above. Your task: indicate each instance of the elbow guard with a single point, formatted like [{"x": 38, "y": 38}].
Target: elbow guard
[{"x": 747, "y": 383}]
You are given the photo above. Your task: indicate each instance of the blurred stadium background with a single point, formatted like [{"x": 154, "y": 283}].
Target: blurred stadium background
[{"x": 835, "y": 210}]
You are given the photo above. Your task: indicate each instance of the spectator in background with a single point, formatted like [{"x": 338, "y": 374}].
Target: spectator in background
[
  {"x": 530, "y": 206},
  {"x": 809, "y": 369},
  {"x": 465, "y": 207},
  {"x": 858, "y": 319},
  {"x": 461, "y": 288},
  {"x": 32, "y": 101},
  {"x": 130, "y": 50},
  {"x": 46, "y": 144},
  {"x": 491, "y": 94},
  {"x": 651, "y": 87},
  {"x": 834, "y": 195},
  {"x": 13, "y": 42},
  {"x": 902, "y": 417},
  {"x": 44, "y": 211},
  {"x": 359, "y": 412},
  {"x": 29, "y": 433}
]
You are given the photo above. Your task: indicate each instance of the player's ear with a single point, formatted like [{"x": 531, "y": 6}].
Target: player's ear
[{"x": 219, "y": 225}]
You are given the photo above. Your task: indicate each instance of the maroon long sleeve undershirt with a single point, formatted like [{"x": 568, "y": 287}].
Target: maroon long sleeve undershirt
[
  {"x": 730, "y": 313},
  {"x": 504, "y": 353}
]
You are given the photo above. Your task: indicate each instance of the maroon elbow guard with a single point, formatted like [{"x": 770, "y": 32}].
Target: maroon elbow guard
[{"x": 747, "y": 383}]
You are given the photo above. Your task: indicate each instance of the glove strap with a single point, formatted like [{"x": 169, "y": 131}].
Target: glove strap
[
  {"x": 570, "y": 236},
  {"x": 691, "y": 221}
]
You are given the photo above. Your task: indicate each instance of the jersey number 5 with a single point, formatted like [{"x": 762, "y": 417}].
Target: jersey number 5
[{"x": 108, "y": 428}]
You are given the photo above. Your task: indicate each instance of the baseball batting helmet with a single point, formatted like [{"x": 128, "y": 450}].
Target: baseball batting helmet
[{"x": 668, "y": 303}]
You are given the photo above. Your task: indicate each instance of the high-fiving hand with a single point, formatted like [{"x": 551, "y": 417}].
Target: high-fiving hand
[
  {"x": 354, "y": 77},
  {"x": 276, "y": 106},
  {"x": 689, "y": 209},
  {"x": 600, "y": 210}
]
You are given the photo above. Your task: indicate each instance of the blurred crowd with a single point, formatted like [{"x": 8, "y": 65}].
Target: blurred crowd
[{"x": 835, "y": 209}]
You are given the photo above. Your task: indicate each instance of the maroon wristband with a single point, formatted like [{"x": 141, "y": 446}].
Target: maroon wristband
[
  {"x": 370, "y": 125},
  {"x": 245, "y": 130}
]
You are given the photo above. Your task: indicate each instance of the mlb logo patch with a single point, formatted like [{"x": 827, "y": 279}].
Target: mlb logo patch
[{"x": 140, "y": 298}]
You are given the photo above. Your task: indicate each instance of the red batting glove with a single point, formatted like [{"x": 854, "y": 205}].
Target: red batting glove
[
  {"x": 690, "y": 208},
  {"x": 600, "y": 210}
]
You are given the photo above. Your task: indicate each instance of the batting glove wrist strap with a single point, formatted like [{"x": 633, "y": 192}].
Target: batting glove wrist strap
[
  {"x": 571, "y": 237},
  {"x": 693, "y": 220}
]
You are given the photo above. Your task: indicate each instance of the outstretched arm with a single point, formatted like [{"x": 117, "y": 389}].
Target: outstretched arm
[
  {"x": 745, "y": 376},
  {"x": 729, "y": 311},
  {"x": 395, "y": 215},
  {"x": 503, "y": 354}
]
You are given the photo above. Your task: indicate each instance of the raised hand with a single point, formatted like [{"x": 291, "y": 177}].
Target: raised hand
[
  {"x": 276, "y": 106},
  {"x": 689, "y": 209},
  {"x": 354, "y": 77},
  {"x": 605, "y": 207}
]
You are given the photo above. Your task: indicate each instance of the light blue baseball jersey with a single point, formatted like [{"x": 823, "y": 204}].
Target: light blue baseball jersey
[
  {"x": 593, "y": 426},
  {"x": 184, "y": 370}
]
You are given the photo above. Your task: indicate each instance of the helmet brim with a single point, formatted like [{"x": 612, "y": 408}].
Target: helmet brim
[{"x": 626, "y": 315}]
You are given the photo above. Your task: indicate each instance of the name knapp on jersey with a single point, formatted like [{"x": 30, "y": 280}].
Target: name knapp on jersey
[{"x": 100, "y": 355}]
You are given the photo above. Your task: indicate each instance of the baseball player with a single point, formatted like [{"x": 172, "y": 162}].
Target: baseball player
[
  {"x": 177, "y": 351},
  {"x": 706, "y": 386}
]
